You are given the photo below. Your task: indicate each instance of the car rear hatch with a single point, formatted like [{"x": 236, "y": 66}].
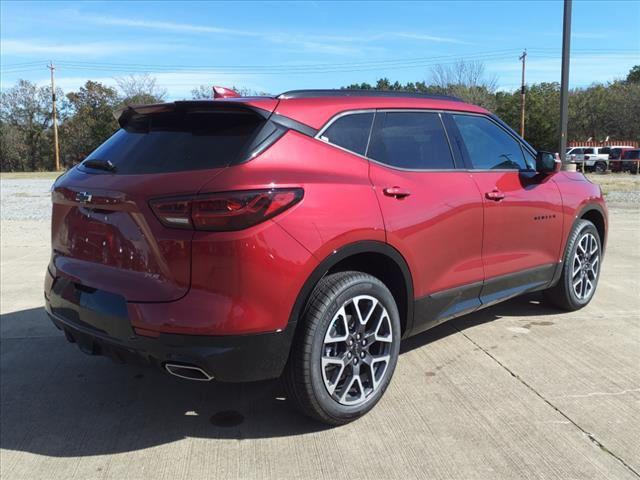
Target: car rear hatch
[{"x": 105, "y": 235}]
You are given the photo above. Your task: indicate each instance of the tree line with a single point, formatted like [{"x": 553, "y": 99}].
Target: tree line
[{"x": 86, "y": 115}]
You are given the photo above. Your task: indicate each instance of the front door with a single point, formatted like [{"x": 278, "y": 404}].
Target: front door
[{"x": 522, "y": 209}]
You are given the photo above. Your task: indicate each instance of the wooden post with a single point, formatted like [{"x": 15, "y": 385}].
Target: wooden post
[{"x": 56, "y": 148}]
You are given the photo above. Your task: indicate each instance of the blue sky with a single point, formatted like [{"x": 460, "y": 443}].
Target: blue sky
[{"x": 275, "y": 46}]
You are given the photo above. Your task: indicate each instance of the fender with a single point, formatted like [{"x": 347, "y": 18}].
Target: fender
[{"x": 366, "y": 246}]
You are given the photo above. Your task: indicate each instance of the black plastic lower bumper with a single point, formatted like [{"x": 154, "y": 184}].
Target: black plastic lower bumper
[{"x": 96, "y": 321}]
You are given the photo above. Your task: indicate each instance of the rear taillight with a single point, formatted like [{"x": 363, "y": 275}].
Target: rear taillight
[{"x": 227, "y": 211}]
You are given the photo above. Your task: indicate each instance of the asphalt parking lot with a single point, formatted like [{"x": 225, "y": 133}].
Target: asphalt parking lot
[{"x": 515, "y": 391}]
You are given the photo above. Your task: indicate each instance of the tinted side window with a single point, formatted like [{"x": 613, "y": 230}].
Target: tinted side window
[
  {"x": 604, "y": 151},
  {"x": 350, "y": 132},
  {"x": 414, "y": 140},
  {"x": 588, "y": 151},
  {"x": 489, "y": 146}
]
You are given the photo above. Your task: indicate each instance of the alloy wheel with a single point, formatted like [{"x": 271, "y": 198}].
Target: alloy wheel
[
  {"x": 586, "y": 266},
  {"x": 356, "y": 350}
]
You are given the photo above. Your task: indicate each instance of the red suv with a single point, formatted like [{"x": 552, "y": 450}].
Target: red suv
[{"x": 238, "y": 239}]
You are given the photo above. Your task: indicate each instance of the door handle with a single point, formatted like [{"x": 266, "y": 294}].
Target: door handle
[
  {"x": 396, "y": 192},
  {"x": 495, "y": 195}
]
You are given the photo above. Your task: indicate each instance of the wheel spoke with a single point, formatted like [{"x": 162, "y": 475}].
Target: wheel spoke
[
  {"x": 581, "y": 246},
  {"x": 594, "y": 266},
  {"x": 364, "y": 319},
  {"x": 339, "y": 321},
  {"x": 372, "y": 365},
  {"x": 340, "y": 363},
  {"x": 594, "y": 245},
  {"x": 355, "y": 382},
  {"x": 588, "y": 286},
  {"x": 383, "y": 322}
]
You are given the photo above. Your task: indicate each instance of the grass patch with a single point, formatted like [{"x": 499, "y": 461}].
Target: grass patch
[{"x": 615, "y": 182}]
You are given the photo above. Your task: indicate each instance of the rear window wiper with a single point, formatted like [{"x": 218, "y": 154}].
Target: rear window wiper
[{"x": 100, "y": 165}]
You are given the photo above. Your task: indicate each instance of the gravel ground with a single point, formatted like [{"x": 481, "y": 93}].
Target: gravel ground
[
  {"x": 629, "y": 198},
  {"x": 25, "y": 199}
]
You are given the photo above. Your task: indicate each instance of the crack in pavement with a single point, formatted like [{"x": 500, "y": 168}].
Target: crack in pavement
[
  {"x": 598, "y": 394},
  {"x": 589, "y": 435}
]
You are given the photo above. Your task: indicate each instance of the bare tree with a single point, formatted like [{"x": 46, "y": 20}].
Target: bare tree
[
  {"x": 204, "y": 92},
  {"x": 468, "y": 74},
  {"x": 466, "y": 80},
  {"x": 140, "y": 89}
]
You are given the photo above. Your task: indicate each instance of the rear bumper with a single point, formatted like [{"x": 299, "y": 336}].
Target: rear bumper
[{"x": 96, "y": 321}]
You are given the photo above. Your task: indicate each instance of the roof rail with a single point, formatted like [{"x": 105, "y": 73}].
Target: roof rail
[{"x": 363, "y": 93}]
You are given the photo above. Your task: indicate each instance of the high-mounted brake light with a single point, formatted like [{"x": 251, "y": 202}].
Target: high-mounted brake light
[
  {"x": 227, "y": 211},
  {"x": 223, "y": 92}
]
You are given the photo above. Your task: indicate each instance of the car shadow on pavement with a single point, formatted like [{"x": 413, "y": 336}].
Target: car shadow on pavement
[{"x": 58, "y": 402}]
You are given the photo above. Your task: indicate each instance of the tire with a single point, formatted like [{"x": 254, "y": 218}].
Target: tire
[
  {"x": 328, "y": 355},
  {"x": 580, "y": 269},
  {"x": 600, "y": 167}
]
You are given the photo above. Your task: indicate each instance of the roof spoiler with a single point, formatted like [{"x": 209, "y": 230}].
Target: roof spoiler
[{"x": 125, "y": 114}]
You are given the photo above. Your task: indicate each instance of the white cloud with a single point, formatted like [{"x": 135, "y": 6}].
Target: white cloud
[
  {"x": 158, "y": 25},
  {"x": 86, "y": 49},
  {"x": 428, "y": 38},
  {"x": 327, "y": 44}
]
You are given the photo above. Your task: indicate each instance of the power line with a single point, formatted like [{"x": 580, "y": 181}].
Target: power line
[{"x": 371, "y": 65}]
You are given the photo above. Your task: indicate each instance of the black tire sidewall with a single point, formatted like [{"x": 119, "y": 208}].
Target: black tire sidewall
[{"x": 331, "y": 407}]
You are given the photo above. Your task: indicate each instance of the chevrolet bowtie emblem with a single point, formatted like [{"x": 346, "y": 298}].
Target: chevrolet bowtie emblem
[{"x": 83, "y": 197}]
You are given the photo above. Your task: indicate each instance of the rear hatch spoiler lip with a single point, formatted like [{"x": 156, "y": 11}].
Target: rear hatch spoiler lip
[{"x": 123, "y": 115}]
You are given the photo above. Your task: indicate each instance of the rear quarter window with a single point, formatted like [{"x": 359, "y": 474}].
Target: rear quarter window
[
  {"x": 350, "y": 132},
  {"x": 179, "y": 141}
]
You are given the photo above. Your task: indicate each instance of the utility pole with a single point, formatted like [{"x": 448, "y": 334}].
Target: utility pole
[
  {"x": 522, "y": 57},
  {"x": 52, "y": 67},
  {"x": 564, "y": 82}
]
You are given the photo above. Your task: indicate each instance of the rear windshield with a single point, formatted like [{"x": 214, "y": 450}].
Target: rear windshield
[{"x": 178, "y": 141}]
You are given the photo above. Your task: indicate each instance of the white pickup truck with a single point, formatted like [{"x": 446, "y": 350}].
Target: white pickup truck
[{"x": 591, "y": 158}]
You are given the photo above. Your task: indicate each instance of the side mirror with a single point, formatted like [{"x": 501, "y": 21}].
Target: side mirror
[{"x": 547, "y": 162}]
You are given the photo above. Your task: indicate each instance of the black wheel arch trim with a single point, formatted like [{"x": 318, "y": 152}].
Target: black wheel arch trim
[
  {"x": 598, "y": 208},
  {"x": 366, "y": 246},
  {"x": 589, "y": 207}
]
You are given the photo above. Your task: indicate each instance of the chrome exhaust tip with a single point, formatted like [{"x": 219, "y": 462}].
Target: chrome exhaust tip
[{"x": 188, "y": 372}]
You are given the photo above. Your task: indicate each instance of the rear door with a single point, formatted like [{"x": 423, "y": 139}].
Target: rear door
[
  {"x": 104, "y": 234},
  {"x": 522, "y": 209},
  {"x": 432, "y": 212}
]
